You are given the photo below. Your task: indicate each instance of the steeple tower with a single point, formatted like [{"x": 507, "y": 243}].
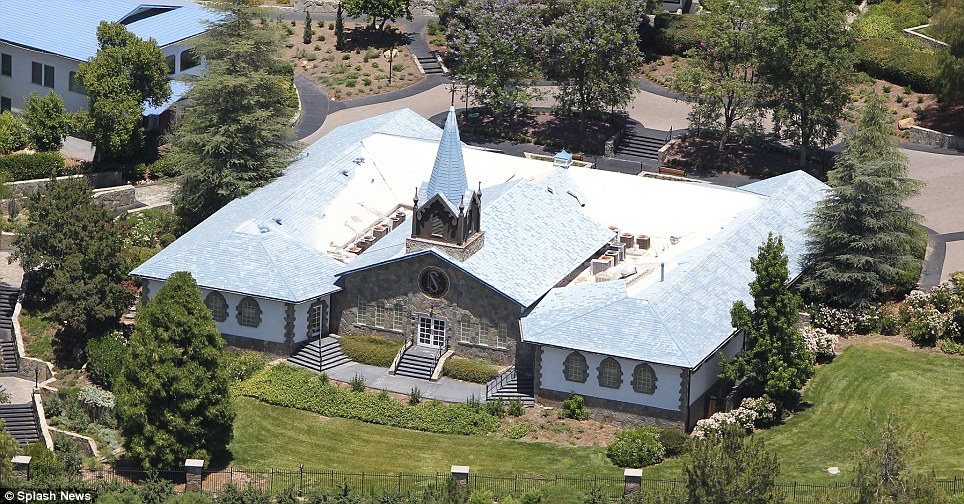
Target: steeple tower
[{"x": 449, "y": 215}]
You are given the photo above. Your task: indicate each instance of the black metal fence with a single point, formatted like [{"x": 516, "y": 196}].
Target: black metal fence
[{"x": 304, "y": 482}]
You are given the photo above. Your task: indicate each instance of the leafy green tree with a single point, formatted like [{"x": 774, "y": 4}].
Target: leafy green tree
[
  {"x": 306, "y": 37},
  {"x": 173, "y": 398},
  {"x": 13, "y": 133},
  {"x": 863, "y": 242},
  {"x": 882, "y": 475},
  {"x": 949, "y": 24},
  {"x": 233, "y": 136},
  {"x": 776, "y": 361},
  {"x": 494, "y": 44},
  {"x": 731, "y": 468},
  {"x": 125, "y": 73},
  {"x": 807, "y": 67},
  {"x": 594, "y": 47},
  {"x": 47, "y": 121},
  {"x": 722, "y": 78},
  {"x": 8, "y": 449},
  {"x": 379, "y": 12},
  {"x": 71, "y": 252}
]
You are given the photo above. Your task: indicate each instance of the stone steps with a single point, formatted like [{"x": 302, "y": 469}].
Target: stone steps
[
  {"x": 20, "y": 422},
  {"x": 416, "y": 364},
  {"x": 320, "y": 355}
]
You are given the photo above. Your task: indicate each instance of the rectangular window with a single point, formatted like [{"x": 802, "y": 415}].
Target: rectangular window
[
  {"x": 73, "y": 84},
  {"x": 484, "y": 331},
  {"x": 398, "y": 318},
  {"x": 5, "y": 104},
  {"x": 42, "y": 75},
  {"x": 362, "y": 313},
  {"x": 170, "y": 64},
  {"x": 37, "y": 73},
  {"x": 379, "y": 310},
  {"x": 6, "y": 65},
  {"x": 188, "y": 59},
  {"x": 465, "y": 330},
  {"x": 502, "y": 337},
  {"x": 315, "y": 314}
]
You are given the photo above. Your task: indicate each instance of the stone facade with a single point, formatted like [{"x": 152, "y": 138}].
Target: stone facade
[
  {"x": 618, "y": 412},
  {"x": 395, "y": 286},
  {"x": 268, "y": 347}
]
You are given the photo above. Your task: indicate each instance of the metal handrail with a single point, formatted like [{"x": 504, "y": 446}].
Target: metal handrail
[{"x": 499, "y": 381}]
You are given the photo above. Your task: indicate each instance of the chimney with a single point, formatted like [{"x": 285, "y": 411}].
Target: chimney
[
  {"x": 643, "y": 242},
  {"x": 626, "y": 239},
  {"x": 379, "y": 231}
]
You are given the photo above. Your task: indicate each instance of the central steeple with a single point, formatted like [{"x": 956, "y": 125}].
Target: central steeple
[
  {"x": 448, "y": 174},
  {"x": 447, "y": 213}
]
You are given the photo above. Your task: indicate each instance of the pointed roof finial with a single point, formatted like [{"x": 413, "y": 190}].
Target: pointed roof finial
[
  {"x": 448, "y": 174},
  {"x": 415, "y": 199}
]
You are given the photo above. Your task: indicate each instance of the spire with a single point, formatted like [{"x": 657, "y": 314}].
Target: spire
[{"x": 448, "y": 174}]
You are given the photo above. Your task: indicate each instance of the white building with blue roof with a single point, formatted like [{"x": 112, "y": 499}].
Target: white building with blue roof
[
  {"x": 42, "y": 43},
  {"x": 613, "y": 286}
]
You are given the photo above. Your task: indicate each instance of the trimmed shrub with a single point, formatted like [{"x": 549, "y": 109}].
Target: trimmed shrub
[
  {"x": 244, "y": 365},
  {"x": 575, "y": 407},
  {"x": 515, "y": 407},
  {"x": 518, "y": 431},
  {"x": 676, "y": 34},
  {"x": 298, "y": 388},
  {"x": 890, "y": 61},
  {"x": 470, "y": 370},
  {"x": 13, "y": 133},
  {"x": 636, "y": 448},
  {"x": 370, "y": 349},
  {"x": 106, "y": 356},
  {"x": 675, "y": 442},
  {"x": 32, "y": 166}
]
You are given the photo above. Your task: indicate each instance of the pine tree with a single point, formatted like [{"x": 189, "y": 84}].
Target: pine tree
[
  {"x": 306, "y": 38},
  {"x": 173, "y": 399},
  {"x": 339, "y": 30},
  {"x": 732, "y": 468},
  {"x": 863, "y": 242},
  {"x": 775, "y": 361},
  {"x": 233, "y": 137}
]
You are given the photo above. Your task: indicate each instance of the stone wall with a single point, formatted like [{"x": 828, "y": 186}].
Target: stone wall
[
  {"x": 933, "y": 138},
  {"x": 618, "y": 412},
  {"x": 86, "y": 445},
  {"x": 396, "y": 284},
  {"x": 25, "y": 188},
  {"x": 114, "y": 198}
]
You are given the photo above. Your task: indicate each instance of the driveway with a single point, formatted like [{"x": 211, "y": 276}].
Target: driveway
[{"x": 940, "y": 203}]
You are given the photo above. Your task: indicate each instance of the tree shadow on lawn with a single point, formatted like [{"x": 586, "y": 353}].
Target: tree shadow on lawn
[
  {"x": 759, "y": 159},
  {"x": 361, "y": 37},
  {"x": 570, "y": 133}
]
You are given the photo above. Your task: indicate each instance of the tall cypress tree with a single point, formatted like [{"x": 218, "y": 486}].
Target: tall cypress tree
[
  {"x": 233, "y": 136},
  {"x": 775, "y": 361},
  {"x": 174, "y": 399},
  {"x": 339, "y": 30},
  {"x": 863, "y": 241},
  {"x": 306, "y": 37}
]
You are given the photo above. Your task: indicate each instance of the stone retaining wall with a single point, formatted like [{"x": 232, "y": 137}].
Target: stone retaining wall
[
  {"x": 933, "y": 138},
  {"x": 113, "y": 198},
  {"x": 86, "y": 445},
  {"x": 25, "y": 188}
]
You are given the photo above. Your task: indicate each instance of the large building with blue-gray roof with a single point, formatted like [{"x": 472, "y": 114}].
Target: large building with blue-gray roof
[
  {"x": 42, "y": 43},
  {"x": 570, "y": 279}
]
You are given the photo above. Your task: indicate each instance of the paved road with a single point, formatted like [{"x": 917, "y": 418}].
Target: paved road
[{"x": 940, "y": 204}]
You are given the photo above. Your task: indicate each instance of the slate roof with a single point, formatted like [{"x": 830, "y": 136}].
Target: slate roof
[
  {"x": 533, "y": 239},
  {"x": 230, "y": 252},
  {"x": 685, "y": 319},
  {"x": 69, "y": 27}
]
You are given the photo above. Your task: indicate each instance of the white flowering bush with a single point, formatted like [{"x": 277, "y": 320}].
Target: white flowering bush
[
  {"x": 844, "y": 321},
  {"x": 820, "y": 342},
  {"x": 765, "y": 409},
  {"x": 714, "y": 425},
  {"x": 926, "y": 321},
  {"x": 98, "y": 402}
]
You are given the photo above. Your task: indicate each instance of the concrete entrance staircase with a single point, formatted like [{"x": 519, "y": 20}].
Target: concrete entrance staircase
[
  {"x": 640, "y": 145},
  {"x": 320, "y": 355},
  {"x": 430, "y": 65},
  {"x": 508, "y": 386},
  {"x": 20, "y": 421},
  {"x": 417, "y": 362},
  {"x": 8, "y": 345}
]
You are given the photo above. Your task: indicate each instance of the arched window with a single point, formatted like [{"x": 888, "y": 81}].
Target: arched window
[
  {"x": 249, "y": 313},
  {"x": 218, "y": 306},
  {"x": 575, "y": 368},
  {"x": 644, "y": 379},
  {"x": 610, "y": 374}
]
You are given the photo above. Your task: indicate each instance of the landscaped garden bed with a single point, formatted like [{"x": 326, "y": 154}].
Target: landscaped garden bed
[
  {"x": 752, "y": 158},
  {"x": 361, "y": 69},
  {"x": 370, "y": 349}
]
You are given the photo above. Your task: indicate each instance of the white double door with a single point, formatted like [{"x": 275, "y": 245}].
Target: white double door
[{"x": 431, "y": 332}]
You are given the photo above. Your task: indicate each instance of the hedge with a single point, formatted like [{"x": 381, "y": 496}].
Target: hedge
[
  {"x": 292, "y": 387},
  {"x": 470, "y": 370},
  {"x": 372, "y": 350},
  {"x": 676, "y": 34},
  {"x": 32, "y": 166},
  {"x": 890, "y": 61}
]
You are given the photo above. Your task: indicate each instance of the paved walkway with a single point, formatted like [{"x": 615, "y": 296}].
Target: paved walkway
[
  {"x": 20, "y": 389},
  {"x": 445, "y": 389},
  {"x": 940, "y": 204}
]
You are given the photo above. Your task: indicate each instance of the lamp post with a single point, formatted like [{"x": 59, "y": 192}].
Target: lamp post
[{"x": 391, "y": 59}]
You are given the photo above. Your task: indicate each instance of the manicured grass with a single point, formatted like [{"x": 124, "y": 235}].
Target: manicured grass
[
  {"x": 925, "y": 390},
  {"x": 38, "y": 335},
  {"x": 268, "y": 436}
]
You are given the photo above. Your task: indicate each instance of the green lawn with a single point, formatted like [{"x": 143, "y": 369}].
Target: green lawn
[
  {"x": 38, "y": 334},
  {"x": 926, "y": 390},
  {"x": 270, "y": 436}
]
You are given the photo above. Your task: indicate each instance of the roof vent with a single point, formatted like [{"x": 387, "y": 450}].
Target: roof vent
[
  {"x": 359, "y": 160},
  {"x": 576, "y": 196},
  {"x": 345, "y": 171},
  {"x": 277, "y": 220},
  {"x": 562, "y": 160},
  {"x": 263, "y": 229}
]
